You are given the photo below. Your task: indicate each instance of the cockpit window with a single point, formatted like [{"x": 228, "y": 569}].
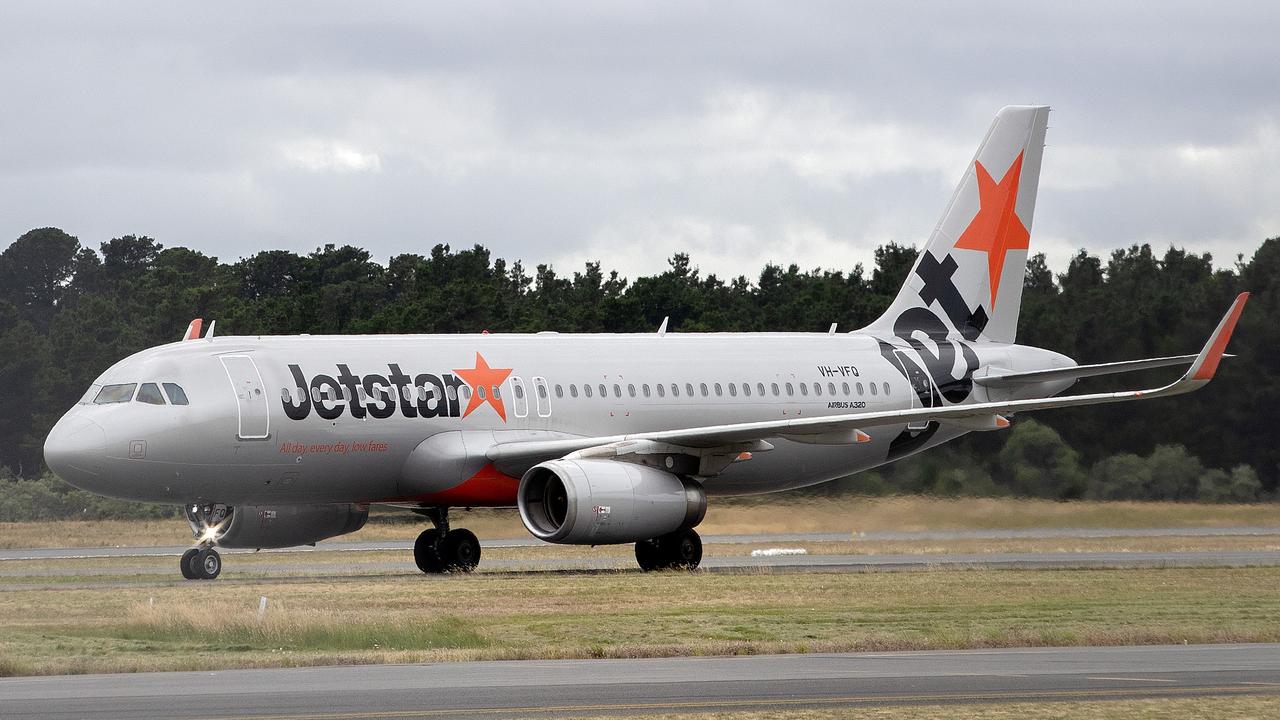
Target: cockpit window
[
  {"x": 115, "y": 394},
  {"x": 177, "y": 395},
  {"x": 149, "y": 393},
  {"x": 94, "y": 389}
]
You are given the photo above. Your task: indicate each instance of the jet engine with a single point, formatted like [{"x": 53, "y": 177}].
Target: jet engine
[
  {"x": 599, "y": 502},
  {"x": 273, "y": 526}
]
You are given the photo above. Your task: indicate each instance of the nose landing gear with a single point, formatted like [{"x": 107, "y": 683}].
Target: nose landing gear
[
  {"x": 202, "y": 562},
  {"x": 439, "y": 549}
]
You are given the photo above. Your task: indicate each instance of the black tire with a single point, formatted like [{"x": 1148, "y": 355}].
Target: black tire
[
  {"x": 187, "y": 564},
  {"x": 426, "y": 552},
  {"x": 649, "y": 555},
  {"x": 681, "y": 550},
  {"x": 208, "y": 563},
  {"x": 460, "y": 551}
]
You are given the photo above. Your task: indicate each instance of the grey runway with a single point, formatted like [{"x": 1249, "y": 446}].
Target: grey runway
[
  {"x": 630, "y": 687},
  {"x": 70, "y": 553}
]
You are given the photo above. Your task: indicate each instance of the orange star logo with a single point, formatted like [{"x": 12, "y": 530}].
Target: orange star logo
[
  {"x": 996, "y": 229},
  {"x": 483, "y": 380}
]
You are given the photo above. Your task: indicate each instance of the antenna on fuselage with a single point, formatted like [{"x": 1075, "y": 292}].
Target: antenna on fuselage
[
  {"x": 832, "y": 329},
  {"x": 212, "y": 325},
  {"x": 662, "y": 329}
]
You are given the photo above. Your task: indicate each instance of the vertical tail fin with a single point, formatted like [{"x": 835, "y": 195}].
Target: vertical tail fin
[{"x": 969, "y": 275}]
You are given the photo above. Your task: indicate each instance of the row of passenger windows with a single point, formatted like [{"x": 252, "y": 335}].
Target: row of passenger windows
[
  {"x": 148, "y": 393},
  {"x": 719, "y": 390},
  {"x": 605, "y": 390}
]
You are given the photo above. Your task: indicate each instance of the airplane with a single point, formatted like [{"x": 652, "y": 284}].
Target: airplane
[{"x": 277, "y": 441}]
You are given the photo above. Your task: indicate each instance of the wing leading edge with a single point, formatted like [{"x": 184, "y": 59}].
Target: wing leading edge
[{"x": 1199, "y": 374}]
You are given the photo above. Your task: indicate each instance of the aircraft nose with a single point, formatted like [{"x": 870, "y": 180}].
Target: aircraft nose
[{"x": 75, "y": 449}]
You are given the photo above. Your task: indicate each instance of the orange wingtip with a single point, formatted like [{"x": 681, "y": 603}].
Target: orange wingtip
[
  {"x": 1002, "y": 422},
  {"x": 1218, "y": 345},
  {"x": 193, "y": 330},
  {"x": 861, "y": 436}
]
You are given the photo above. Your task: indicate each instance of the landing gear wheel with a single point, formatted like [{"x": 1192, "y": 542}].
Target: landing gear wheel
[
  {"x": 187, "y": 564},
  {"x": 649, "y": 555},
  {"x": 460, "y": 551},
  {"x": 681, "y": 550},
  {"x": 208, "y": 563},
  {"x": 426, "y": 552}
]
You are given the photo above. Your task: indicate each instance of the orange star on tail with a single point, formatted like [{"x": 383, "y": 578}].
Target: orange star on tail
[
  {"x": 996, "y": 229},
  {"x": 483, "y": 376}
]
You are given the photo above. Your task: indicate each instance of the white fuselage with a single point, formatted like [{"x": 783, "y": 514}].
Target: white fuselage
[{"x": 250, "y": 435}]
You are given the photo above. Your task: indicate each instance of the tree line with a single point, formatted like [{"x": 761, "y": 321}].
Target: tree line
[{"x": 68, "y": 311}]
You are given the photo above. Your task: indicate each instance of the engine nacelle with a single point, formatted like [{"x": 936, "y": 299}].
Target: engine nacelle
[
  {"x": 599, "y": 502},
  {"x": 274, "y": 526}
]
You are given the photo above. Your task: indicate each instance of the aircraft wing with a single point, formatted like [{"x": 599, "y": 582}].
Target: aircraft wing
[{"x": 1202, "y": 370}]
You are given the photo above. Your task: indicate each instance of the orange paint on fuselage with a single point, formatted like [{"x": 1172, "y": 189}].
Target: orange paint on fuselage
[{"x": 487, "y": 488}]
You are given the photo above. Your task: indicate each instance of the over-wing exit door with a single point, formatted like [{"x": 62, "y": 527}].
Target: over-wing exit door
[{"x": 251, "y": 397}]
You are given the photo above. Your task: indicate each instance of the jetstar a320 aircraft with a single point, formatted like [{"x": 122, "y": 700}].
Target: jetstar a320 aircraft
[{"x": 597, "y": 439}]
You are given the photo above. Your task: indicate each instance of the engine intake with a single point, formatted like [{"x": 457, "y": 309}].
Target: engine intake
[
  {"x": 274, "y": 526},
  {"x": 600, "y": 502}
]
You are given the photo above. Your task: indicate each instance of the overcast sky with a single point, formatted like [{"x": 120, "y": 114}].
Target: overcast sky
[{"x": 742, "y": 133}]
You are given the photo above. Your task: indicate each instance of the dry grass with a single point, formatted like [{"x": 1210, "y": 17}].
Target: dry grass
[
  {"x": 172, "y": 625},
  {"x": 769, "y": 514},
  {"x": 1249, "y": 707}
]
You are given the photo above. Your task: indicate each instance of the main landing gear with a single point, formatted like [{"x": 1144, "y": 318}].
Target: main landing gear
[
  {"x": 201, "y": 563},
  {"x": 680, "y": 550},
  {"x": 440, "y": 550}
]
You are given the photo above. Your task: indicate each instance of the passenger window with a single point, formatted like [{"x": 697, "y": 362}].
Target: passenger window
[
  {"x": 804, "y": 389},
  {"x": 873, "y": 388},
  {"x": 662, "y": 392},
  {"x": 480, "y": 391},
  {"x": 645, "y": 388},
  {"x": 542, "y": 392},
  {"x": 675, "y": 390},
  {"x": 719, "y": 390},
  {"x": 586, "y": 390},
  {"x": 559, "y": 391},
  {"x": 497, "y": 393},
  {"x": 886, "y": 388},
  {"x": 688, "y": 389},
  {"x": 845, "y": 388},
  {"x": 703, "y": 388},
  {"x": 617, "y": 390},
  {"x": 831, "y": 388},
  {"x": 115, "y": 394},
  {"x": 790, "y": 390},
  {"x": 177, "y": 396},
  {"x": 631, "y": 389},
  {"x": 774, "y": 387},
  {"x": 464, "y": 392},
  {"x": 746, "y": 389},
  {"x": 573, "y": 390},
  {"x": 859, "y": 388},
  {"x": 817, "y": 388},
  {"x": 519, "y": 391},
  {"x": 149, "y": 393},
  {"x": 451, "y": 392},
  {"x": 760, "y": 389},
  {"x": 733, "y": 390},
  {"x": 604, "y": 391}
]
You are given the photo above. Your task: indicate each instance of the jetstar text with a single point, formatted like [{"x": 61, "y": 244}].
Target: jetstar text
[{"x": 373, "y": 395}]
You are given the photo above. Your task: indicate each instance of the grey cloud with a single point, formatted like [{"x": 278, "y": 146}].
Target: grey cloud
[{"x": 559, "y": 131}]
